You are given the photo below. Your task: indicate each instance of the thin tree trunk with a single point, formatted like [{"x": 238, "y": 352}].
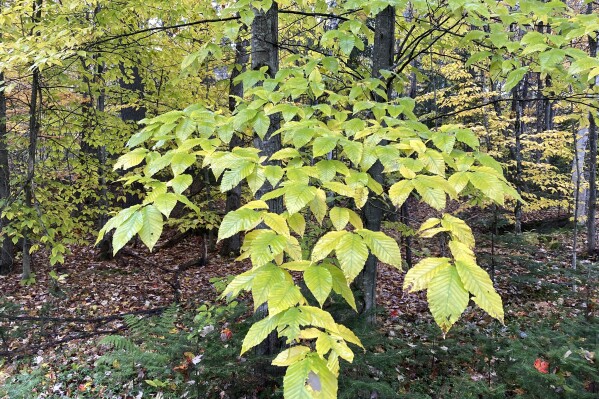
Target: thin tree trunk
[
  {"x": 133, "y": 114},
  {"x": 34, "y": 127},
  {"x": 232, "y": 245},
  {"x": 265, "y": 38},
  {"x": 518, "y": 130},
  {"x": 6, "y": 257},
  {"x": 592, "y": 166},
  {"x": 382, "y": 58}
]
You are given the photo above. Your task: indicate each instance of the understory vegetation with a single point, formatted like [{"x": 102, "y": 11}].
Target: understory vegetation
[{"x": 194, "y": 353}]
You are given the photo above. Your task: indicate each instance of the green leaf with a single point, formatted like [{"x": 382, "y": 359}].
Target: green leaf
[
  {"x": 241, "y": 220},
  {"x": 152, "y": 226},
  {"x": 165, "y": 203},
  {"x": 340, "y": 285},
  {"x": 489, "y": 185},
  {"x": 419, "y": 276},
  {"x": 126, "y": 231},
  {"x": 339, "y": 217},
  {"x": 185, "y": 128},
  {"x": 478, "y": 282},
  {"x": 261, "y": 124},
  {"x": 468, "y": 137},
  {"x": 294, "y": 382},
  {"x": 131, "y": 159},
  {"x": 514, "y": 77},
  {"x": 181, "y": 161},
  {"x": 323, "y": 145},
  {"x": 180, "y": 183},
  {"x": 352, "y": 253},
  {"x": 259, "y": 331},
  {"x": 447, "y": 297},
  {"x": 265, "y": 278},
  {"x": 319, "y": 281}
]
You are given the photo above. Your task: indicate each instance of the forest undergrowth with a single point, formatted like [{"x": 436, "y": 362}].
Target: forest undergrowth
[{"x": 110, "y": 329}]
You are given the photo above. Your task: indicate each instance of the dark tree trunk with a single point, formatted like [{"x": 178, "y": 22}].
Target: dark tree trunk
[
  {"x": 133, "y": 88},
  {"x": 592, "y": 208},
  {"x": 34, "y": 127},
  {"x": 265, "y": 52},
  {"x": 232, "y": 245},
  {"x": 265, "y": 36},
  {"x": 6, "y": 256},
  {"x": 382, "y": 58},
  {"x": 517, "y": 108}
]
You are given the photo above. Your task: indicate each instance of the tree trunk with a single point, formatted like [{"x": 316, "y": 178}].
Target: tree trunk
[
  {"x": 6, "y": 256},
  {"x": 232, "y": 245},
  {"x": 34, "y": 128},
  {"x": 592, "y": 208},
  {"x": 517, "y": 108},
  {"x": 132, "y": 85},
  {"x": 581, "y": 195},
  {"x": 382, "y": 58},
  {"x": 265, "y": 38}
]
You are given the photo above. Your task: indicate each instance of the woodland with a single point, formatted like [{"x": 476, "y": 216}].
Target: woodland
[{"x": 299, "y": 199}]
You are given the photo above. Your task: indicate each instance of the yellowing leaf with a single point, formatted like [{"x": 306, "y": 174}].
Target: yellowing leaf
[
  {"x": 131, "y": 159},
  {"x": 352, "y": 253},
  {"x": 297, "y": 196},
  {"x": 283, "y": 296},
  {"x": 259, "y": 331},
  {"x": 152, "y": 226},
  {"x": 341, "y": 286},
  {"x": 240, "y": 220},
  {"x": 339, "y": 217},
  {"x": 277, "y": 223},
  {"x": 382, "y": 246},
  {"x": 419, "y": 276},
  {"x": 297, "y": 223},
  {"x": 431, "y": 194},
  {"x": 459, "y": 230},
  {"x": 319, "y": 281},
  {"x": 447, "y": 297},
  {"x": 294, "y": 382},
  {"x": 326, "y": 244},
  {"x": 318, "y": 205},
  {"x": 400, "y": 191},
  {"x": 291, "y": 355},
  {"x": 478, "y": 282}
]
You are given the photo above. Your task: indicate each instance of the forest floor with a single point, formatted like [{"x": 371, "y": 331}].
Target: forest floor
[{"x": 550, "y": 337}]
